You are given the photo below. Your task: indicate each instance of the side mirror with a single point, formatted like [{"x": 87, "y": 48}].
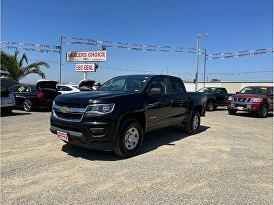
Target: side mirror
[{"x": 154, "y": 91}]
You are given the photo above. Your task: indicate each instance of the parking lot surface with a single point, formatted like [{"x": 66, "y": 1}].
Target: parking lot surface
[{"x": 228, "y": 162}]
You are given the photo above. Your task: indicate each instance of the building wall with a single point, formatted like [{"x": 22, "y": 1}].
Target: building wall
[{"x": 232, "y": 87}]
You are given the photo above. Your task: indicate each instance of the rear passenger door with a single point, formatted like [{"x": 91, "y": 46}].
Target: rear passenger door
[{"x": 179, "y": 99}]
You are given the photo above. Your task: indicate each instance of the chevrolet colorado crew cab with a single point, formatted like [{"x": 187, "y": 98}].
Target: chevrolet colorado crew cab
[
  {"x": 256, "y": 99},
  {"x": 216, "y": 96},
  {"x": 116, "y": 115}
]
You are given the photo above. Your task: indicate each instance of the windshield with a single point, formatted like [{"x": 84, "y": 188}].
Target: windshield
[
  {"x": 207, "y": 90},
  {"x": 254, "y": 90},
  {"x": 125, "y": 83}
]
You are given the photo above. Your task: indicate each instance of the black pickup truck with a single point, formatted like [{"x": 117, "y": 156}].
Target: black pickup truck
[
  {"x": 115, "y": 116},
  {"x": 216, "y": 96}
]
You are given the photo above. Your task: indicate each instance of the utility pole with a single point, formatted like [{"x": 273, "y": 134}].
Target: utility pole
[
  {"x": 205, "y": 68},
  {"x": 198, "y": 58},
  {"x": 60, "y": 65},
  {"x": 85, "y": 75}
]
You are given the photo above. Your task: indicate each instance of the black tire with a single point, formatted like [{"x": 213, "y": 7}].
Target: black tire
[
  {"x": 130, "y": 138},
  {"x": 6, "y": 111},
  {"x": 27, "y": 105},
  {"x": 192, "y": 125},
  {"x": 210, "y": 106},
  {"x": 232, "y": 112},
  {"x": 263, "y": 113}
]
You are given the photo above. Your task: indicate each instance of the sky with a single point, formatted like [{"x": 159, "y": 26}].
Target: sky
[{"x": 232, "y": 25}]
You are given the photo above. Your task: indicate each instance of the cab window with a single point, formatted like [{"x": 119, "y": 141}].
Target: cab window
[
  {"x": 271, "y": 91},
  {"x": 221, "y": 91},
  {"x": 159, "y": 83}
]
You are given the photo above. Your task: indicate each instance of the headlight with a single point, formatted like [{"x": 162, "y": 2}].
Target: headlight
[
  {"x": 230, "y": 98},
  {"x": 99, "y": 109},
  {"x": 258, "y": 100}
]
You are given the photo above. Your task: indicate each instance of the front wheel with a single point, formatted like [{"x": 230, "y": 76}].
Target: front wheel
[
  {"x": 192, "y": 125},
  {"x": 6, "y": 111},
  {"x": 130, "y": 138},
  {"x": 263, "y": 112}
]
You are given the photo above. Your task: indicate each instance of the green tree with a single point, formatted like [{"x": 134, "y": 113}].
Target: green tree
[{"x": 17, "y": 69}]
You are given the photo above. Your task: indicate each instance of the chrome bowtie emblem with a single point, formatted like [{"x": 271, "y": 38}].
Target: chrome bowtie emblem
[{"x": 64, "y": 109}]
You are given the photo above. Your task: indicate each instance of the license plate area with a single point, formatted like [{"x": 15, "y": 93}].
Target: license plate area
[
  {"x": 240, "y": 108},
  {"x": 62, "y": 136}
]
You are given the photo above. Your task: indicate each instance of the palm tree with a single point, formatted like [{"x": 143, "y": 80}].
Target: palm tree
[{"x": 16, "y": 68}]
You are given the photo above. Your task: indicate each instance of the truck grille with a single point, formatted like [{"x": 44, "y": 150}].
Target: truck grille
[
  {"x": 71, "y": 116},
  {"x": 242, "y": 99},
  {"x": 70, "y": 104},
  {"x": 66, "y": 112}
]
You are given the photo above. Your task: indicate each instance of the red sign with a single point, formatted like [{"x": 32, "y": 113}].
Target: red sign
[{"x": 85, "y": 67}]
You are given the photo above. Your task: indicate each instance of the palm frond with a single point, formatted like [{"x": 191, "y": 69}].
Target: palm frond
[
  {"x": 34, "y": 71},
  {"x": 24, "y": 57},
  {"x": 16, "y": 69}
]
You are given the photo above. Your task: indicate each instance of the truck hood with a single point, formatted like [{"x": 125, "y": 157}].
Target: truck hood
[
  {"x": 85, "y": 98},
  {"x": 248, "y": 96}
]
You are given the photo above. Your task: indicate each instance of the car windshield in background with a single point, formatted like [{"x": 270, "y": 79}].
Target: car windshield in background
[
  {"x": 207, "y": 90},
  {"x": 254, "y": 90},
  {"x": 125, "y": 84}
]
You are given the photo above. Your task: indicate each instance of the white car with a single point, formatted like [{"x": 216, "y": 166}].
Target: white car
[{"x": 65, "y": 89}]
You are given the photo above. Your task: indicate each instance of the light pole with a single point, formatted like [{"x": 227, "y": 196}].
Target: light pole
[
  {"x": 198, "y": 57},
  {"x": 60, "y": 66}
]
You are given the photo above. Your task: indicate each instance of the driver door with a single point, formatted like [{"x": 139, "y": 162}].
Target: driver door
[{"x": 158, "y": 106}]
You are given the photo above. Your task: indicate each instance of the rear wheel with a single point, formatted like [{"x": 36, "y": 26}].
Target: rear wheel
[
  {"x": 192, "y": 125},
  {"x": 210, "y": 106},
  {"x": 232, "y": 112},
  {"x": 27, "y": 105},
  {"x": 263, "y": 112},
  {"x": 130, "y": 138}
]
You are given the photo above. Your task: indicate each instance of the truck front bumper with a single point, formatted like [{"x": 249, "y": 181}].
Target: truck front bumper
[
  {"x": 92, "y": 135},
  {"x": 242, "y": 106}
]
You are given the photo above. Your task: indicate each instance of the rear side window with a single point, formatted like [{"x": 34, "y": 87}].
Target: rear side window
[
  {"x": 63, "y": 88},
  {"x": 176, "y": 85},
  {"x": 20, "y": 89}
]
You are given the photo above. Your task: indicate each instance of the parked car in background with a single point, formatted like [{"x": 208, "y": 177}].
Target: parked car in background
[
  {"x": 216, "y": 96},
  {"x": 256, "y": 99},
  {"x": 65, "y": 89},
  {"x": 39, "y": 95},
  {"x": 7, "y": 101},
  {"x": 115, "y": 116},
  {"x": 86, "y": 85}
]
